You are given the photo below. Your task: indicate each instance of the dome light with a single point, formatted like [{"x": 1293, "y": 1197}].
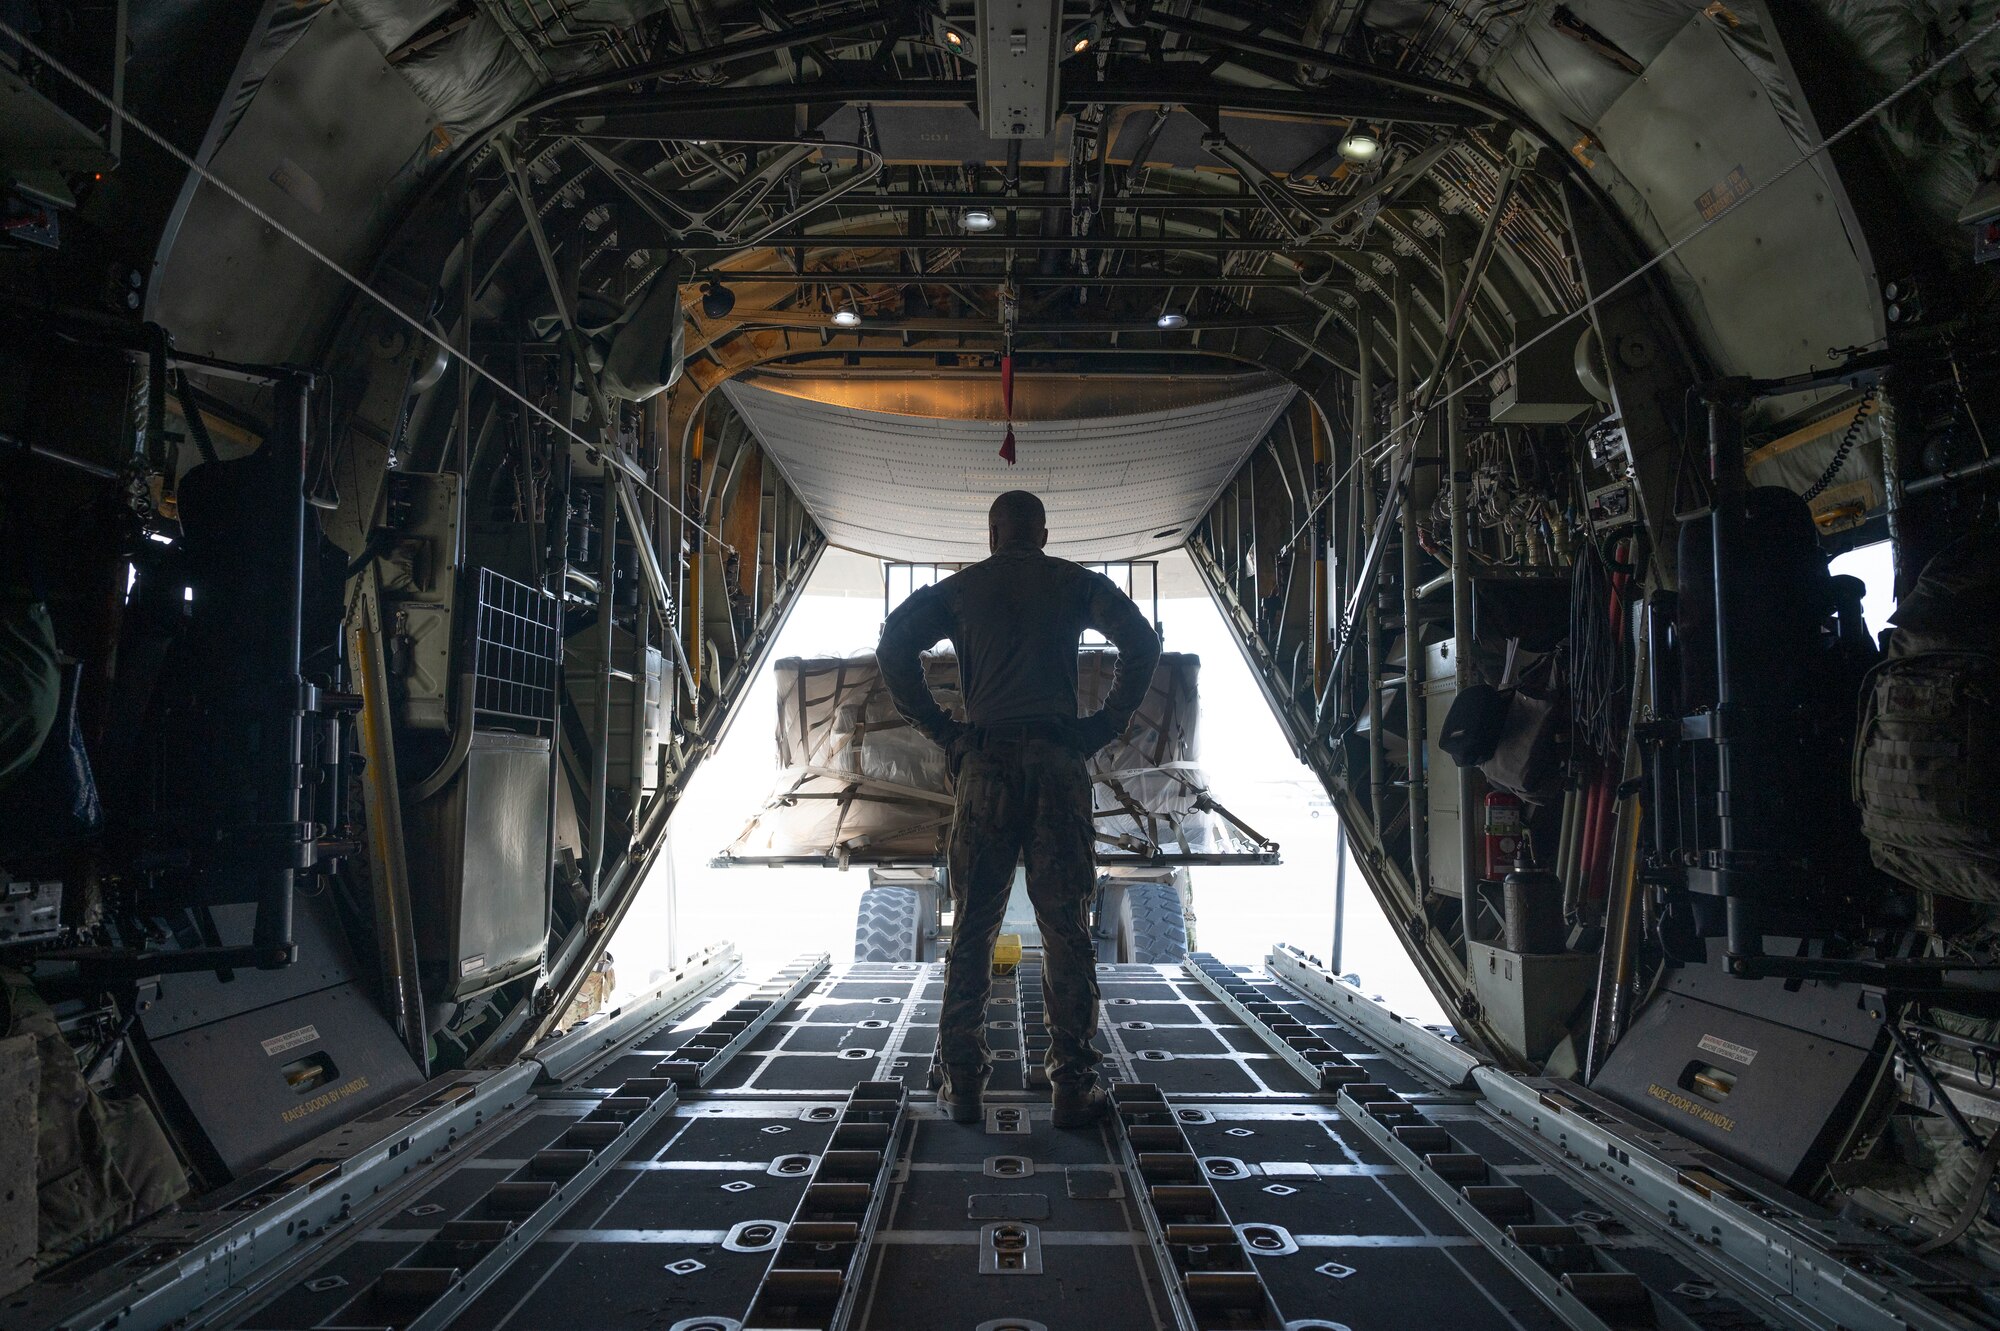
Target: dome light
[
  {"x": 1360, "y": 145},
  {"x": 847, "y": 317},
  {"x": 1171, "y": 319},
  {"x": 717, "y": 300},
  {"x": 979, "y": 219}
]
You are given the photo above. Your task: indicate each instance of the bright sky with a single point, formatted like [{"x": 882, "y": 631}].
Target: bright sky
[
  {"x": 774, "y": 914},
  {"x": 1871, "y": 564}
]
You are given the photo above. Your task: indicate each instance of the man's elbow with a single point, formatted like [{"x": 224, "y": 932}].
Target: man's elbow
[{"x": 1144, "y": 652}]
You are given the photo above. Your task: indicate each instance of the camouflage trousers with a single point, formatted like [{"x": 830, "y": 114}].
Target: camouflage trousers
[{"x": 1021, "y": 798}]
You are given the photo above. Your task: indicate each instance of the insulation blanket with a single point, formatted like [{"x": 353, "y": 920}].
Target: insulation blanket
[{"x": 857, "y": 784}]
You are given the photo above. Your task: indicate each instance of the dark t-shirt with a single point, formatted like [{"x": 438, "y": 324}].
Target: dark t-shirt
[{"x": 1015, "y": 620}]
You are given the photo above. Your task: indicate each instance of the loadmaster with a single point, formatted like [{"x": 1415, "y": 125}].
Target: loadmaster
[{"x": 1023, "y": 792}]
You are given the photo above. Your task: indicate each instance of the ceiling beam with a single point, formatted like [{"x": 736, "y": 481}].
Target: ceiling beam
[
  {"x": 894, "y": 323},
  {"x": 1143, "y": 244},
  {"x": 687, "y": 113},
  {"x": 1122, "y": 202},
  {"x": 1294, "y": 283}
]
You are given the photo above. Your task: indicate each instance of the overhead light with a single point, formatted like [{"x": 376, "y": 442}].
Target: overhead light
[
  {"x": 1360, "y": 145},
  {"x": 717, "y": 300},
  {"x": 847, "y": 317},
  {"x": 953, "y": 38},
  {"x": 1082, "y": 45},
  {"x": 978, "y": 219},
  {"x": 1171, "y": 319}
]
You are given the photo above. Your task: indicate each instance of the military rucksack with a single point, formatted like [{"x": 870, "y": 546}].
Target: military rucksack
[{"x": 1927, "y": 751}]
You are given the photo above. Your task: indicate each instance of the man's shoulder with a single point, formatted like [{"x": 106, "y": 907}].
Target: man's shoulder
[{"x": 1013, "y": 565}]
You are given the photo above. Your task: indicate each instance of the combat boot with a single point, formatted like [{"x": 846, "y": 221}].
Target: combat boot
[
  {"x": 959, "y": 1095},
  {"x": 1079, "y": 1104}
]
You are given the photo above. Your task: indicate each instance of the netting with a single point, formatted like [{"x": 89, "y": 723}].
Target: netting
[{"x": 858, "y": 785}]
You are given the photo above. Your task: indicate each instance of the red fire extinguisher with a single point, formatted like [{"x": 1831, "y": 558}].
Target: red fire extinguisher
[{"x": 1503, "y": 834}]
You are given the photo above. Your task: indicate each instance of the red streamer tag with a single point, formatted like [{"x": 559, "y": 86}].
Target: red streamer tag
[{"x": 1007, "y": 402}]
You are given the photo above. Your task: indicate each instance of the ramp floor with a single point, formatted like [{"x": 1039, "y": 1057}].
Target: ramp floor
[{"x": 1004, "y": 1224}]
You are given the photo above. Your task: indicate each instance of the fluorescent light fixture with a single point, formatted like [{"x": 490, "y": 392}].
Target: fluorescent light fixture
[
  {"x": 979, "y": 219},
  {"x": 1361, "y": 145},
  {"x": 1171, "y": 319},
  {"x": 847, "y": 317}
]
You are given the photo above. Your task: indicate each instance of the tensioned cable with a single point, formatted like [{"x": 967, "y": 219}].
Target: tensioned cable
[
  {"x": 611, "y": 468},
  {"x": 1385, "y": 444},
  {"x": 1415, "y": 422}
]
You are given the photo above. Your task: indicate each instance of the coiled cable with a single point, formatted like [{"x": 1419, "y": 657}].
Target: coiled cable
[{"x": 1848, "y": 440}]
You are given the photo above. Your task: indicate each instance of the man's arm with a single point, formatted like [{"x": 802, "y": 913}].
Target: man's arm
[
  {"x": 1113, "y": 614},
  {"x": 918, "y": 623}
]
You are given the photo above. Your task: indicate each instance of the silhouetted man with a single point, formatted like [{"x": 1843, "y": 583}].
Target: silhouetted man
[{"x": 1018, "y": 763}]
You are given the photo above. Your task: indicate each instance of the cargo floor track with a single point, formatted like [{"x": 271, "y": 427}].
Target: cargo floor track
[{"x": 1285, "y": 1154}]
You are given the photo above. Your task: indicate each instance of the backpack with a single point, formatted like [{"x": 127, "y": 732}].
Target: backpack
[
  {"x": 1926, "y": 772},
  {"x": 1514, "y": 735}
]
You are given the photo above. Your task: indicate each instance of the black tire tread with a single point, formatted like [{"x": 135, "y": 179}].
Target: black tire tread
[
  {"x": 886, "y": 925},
  {"x": 1152, "y": 924}
]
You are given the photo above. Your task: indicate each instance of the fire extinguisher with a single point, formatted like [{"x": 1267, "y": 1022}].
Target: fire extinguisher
[{"x": 1503, "y": 834}]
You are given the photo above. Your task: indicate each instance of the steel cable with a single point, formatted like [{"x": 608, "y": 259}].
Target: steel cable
[
  {"x": 332, "y": 265},
  {"x": 1416, "y": 421}
]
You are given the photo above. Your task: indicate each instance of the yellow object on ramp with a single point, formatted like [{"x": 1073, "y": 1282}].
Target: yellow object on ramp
[{"x": 1006, "y": 953}]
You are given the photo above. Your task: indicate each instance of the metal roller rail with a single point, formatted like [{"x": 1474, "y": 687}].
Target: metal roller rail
[
  {"x": 1569, "y": 1272},
  {"x": 1420, "y": 1047},
  {"x": 434, "y": 1284},
  {"x": 1034, "y": 1025},
  {"x": 1292, "y": 1040},
  {"x": 1789, "y": 1249},
  {"x": 1787, "y": 1260},
  {"x": 566, "y": 1053},
  {"x": 814, "y": 1274},
  {"x": 1211, "y": 1280},
  {"x": 1297, "y": 1158},
  {"x": 388, "y": 1268},
  {"x": 438, "y": 1281},
  {"x": 194, "y": 1264},
  {"x": 706, "y": 1053}
]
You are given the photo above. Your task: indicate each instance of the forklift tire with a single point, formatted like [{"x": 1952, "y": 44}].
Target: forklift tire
[
  {"x": 1152, "y": 924},
  {"x": 888, "y": 925}
]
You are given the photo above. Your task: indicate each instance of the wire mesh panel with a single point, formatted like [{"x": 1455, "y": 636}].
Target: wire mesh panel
[{"x": 514, "y": 653}]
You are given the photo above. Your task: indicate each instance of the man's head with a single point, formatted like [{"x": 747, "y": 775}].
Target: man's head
[{"x": 1017, "y": 518}]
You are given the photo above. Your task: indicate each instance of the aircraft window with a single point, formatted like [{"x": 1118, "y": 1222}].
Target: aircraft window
[
  {"x": 1875, "y": 566},
  {"x": 1139, "y": 579}
]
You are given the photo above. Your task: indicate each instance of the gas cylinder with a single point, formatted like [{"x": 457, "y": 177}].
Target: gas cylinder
[
  {"x": 1532, "y": 910},
  {"x": 1502, "y": 826}
]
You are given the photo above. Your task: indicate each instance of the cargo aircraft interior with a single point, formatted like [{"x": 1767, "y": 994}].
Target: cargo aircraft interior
[{"x": 419, "y": 418}]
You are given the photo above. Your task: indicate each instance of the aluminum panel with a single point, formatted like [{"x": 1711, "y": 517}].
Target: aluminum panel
[
  {"x": 262, "y": 1082},
  {"x": 328, "y": 146},
  {"x": 1785, "y": 279},
  {"x": 503, "y": 917}
]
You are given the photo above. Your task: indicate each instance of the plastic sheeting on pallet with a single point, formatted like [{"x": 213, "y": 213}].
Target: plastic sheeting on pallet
[{"x": 857, "y": 785}]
